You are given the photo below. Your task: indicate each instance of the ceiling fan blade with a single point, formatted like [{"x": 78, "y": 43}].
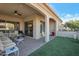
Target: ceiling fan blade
[
  {"x": 16, "y": 12},
  {"x": 19, "y": 14}
]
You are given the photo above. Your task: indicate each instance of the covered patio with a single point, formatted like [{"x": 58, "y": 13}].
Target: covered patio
[
  {"x": 30, "y": 19},
  {"x": 29, "y": 45}
]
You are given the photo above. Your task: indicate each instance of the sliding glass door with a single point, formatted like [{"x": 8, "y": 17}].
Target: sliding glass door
[
  {"x": 42, "y": 28},
  {"x": 29, "y": 28}
]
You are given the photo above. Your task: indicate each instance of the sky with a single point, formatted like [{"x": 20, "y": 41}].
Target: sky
[{"x": 66, "y": 11}]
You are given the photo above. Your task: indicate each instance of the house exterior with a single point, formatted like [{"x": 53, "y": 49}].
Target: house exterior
[{"x": 36, "y": 20}]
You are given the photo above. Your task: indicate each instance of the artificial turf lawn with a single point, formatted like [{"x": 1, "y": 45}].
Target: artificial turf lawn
[{"x": 61, "y": 46}]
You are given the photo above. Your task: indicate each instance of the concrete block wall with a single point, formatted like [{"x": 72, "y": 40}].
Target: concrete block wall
[{"x": 69, "y": 34}]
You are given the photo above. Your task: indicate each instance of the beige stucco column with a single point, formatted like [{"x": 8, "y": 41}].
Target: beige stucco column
[
  {"x": 56, "y": 27},
  {"x": 46, "y": 28},
  {"x": 22, "y": 25},
  {"x": 36, "y": 27}
]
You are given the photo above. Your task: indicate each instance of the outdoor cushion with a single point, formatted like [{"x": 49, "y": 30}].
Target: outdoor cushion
[
  {"x": 6, "y": 42},
  {"x": 7, "y": 45},
  {"x": 52, "y": 34},
  {"x": 1, "y": 46},
  {"x": 1, "y": 34}
]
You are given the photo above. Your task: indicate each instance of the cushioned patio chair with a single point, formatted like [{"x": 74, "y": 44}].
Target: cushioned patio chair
[
  {"x": 52, "y": 34},
  {"x": 1, "y": 48},
  {"x": 8, "y": 46},
  {"x": 20, "y": 37}
]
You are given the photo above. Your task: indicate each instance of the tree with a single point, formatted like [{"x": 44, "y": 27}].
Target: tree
[{"x": 73, "y": 24}]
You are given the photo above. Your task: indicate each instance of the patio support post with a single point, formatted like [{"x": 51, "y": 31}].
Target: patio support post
[
  {"x": 46, "y": 29},
  {"x": 56, "y": 27},
  {"x": 36, "y": 27},
  {"x": 22, "y": 25}
]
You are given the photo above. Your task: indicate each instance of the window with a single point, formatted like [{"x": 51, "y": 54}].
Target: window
[
  {"x": 9, "y": 25},
  {"x": 42, "y": 28}
]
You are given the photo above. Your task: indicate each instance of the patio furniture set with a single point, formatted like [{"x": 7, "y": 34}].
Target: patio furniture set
[{"x": 8, "y": 43}]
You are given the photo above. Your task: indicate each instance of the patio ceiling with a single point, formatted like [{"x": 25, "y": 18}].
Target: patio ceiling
[{"x": 10, "y": 8}]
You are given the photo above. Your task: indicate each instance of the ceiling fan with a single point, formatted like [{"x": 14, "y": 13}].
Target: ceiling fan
[{"x": 16, "y": 13}]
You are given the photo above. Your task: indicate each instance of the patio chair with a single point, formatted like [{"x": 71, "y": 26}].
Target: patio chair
[
  {"x": 1, "y": 48},
  {"x": 9, "y": 46},
  {"x": 1, "y": 34},
  {"x": 20, "y": 37},
  {"x": 52, "y": 34},
  {"x": 9, "y": 50},
  {"x": 7, "y": 42}
]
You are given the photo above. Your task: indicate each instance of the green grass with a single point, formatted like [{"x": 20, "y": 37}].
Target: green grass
[{"x": 61, "y": 46}]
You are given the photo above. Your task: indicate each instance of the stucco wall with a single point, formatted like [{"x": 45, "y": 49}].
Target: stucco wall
[
  {"x": 52, "y": 26},
  {"x": 36, "y": 25},
  {"x": 69, "y": 34}
]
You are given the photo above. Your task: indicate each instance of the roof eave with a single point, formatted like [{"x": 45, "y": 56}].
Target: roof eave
[{"x": 52, "y": 11}]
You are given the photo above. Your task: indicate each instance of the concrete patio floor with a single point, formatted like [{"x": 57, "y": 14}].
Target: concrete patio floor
[{"x": 28, "y": 45}]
